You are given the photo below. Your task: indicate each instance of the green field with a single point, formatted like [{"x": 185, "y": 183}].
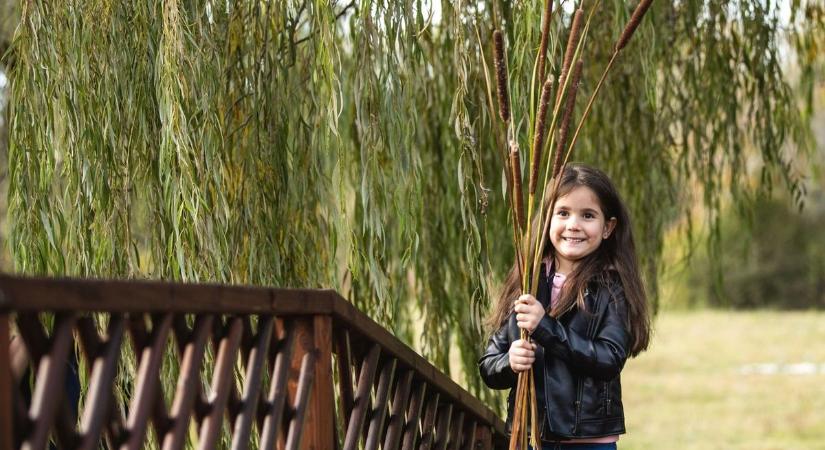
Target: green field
[{"x": 728, "y": 380}]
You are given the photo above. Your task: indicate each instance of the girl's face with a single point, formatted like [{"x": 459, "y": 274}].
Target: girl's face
[{"x": 578, "y": 227}]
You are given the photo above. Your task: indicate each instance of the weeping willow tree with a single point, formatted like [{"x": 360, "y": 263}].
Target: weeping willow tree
[{"x": 348, "y": 145}]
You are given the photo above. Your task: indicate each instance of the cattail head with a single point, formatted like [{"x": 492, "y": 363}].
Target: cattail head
[
  {"x": 545, "y": 33},
  {"x": 631, "y": 26},
  {"x": 518, "y": 200},
  {"x": 538, "y": 134},
  {"x": 572, "y": 42},
  {"x": 569, "y": 106},
  {"x": 500, "y": 60}
]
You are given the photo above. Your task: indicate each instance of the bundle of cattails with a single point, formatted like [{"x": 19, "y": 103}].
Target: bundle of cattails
[{"x": 560, "y": 115}]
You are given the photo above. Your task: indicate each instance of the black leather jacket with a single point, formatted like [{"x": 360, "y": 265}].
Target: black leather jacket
[{"x": 580, "y": 356}]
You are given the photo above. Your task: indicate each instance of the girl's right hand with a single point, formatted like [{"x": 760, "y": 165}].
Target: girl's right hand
[{"x": 522, "y": 355}]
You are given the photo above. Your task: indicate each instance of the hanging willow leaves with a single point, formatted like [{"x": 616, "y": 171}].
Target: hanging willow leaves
[{"x": 349, "y": 145}]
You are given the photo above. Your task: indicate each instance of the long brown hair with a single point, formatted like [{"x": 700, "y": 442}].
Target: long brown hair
[{"x": 615, "y": 255}]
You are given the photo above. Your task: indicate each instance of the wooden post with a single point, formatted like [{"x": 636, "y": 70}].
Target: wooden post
[
  {"x": 314, "y": 334},
  {"x": 483, "y": 438}
]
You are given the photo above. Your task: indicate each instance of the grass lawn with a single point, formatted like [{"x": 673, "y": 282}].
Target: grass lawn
[{"x": 728, "y": 380}]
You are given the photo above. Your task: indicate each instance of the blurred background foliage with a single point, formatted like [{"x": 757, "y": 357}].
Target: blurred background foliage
[
  {"x": 349, "y": 145},
  {"x": 770, "y": 255}
]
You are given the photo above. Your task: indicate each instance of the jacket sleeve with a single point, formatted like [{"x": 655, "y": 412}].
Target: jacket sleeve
[
  {"x": 604, "y": 355},
  {"x": 494, "y": 364}
]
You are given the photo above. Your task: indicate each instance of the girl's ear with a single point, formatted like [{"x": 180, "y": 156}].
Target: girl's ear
[{"x": 609, "y": 226}]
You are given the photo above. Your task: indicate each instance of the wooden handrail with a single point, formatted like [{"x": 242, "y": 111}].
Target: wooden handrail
[{"x": 319, "y": 347}]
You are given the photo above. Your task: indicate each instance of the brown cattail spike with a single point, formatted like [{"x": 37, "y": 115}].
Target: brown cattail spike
[
  {"x": 572, "y": 42},
  {"x": 569, "y": 105},
  {"x": 631, "y": 26},
  {"x": 500, "y": 60},
  {"x": 545, "y": 34},
  {"x": 518, "y": 201},
  {"x": 538, "y": 135}
]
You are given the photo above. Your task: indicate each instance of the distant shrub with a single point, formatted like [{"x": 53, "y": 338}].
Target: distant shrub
[{"x": 775, "y": 259}]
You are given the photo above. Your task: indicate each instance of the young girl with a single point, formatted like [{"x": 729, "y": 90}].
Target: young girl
[{"x": 590, "y": 315}]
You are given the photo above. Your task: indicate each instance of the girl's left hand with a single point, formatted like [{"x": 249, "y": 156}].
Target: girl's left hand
[{"x": 529, "y": 312}]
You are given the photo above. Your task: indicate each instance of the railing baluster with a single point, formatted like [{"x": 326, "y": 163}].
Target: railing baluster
[
  {"x": 362, "y": 397},
  {"x": 344, "y": 361},
  {"x": 305, "y": 380},
  {"x": 103, "y": 364},
  {"x": 147, "y": 383},
  {"x": 221, "y": 383},
  {"x": 193, "y": 347},
  {"x": 428, "y": 426},
  {"x": 483, "y": 438},
  {"x": 48, "y": 390},
  {"x": 278, "y": 390},
  {"x": 442, "y": 432},
  {"x": 399, "y": 406},
  {"x": 19, "y": 415},
  {"x": 36, "y": 345},
  {"x": 252, "y": 384},
  {"x": 469, "y": 441},
  {"x": 456, "y": 433},
  {"x": 35, "y": 339},
  {"x": 19, "y": 357},
  {"x": 234, "y": 402},
  {"x": 380, "y": 408},
  {"x": 413, "y": 416}
]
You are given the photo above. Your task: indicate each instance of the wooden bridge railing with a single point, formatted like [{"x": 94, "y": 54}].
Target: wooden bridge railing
[{"x": 287, "y": 369}]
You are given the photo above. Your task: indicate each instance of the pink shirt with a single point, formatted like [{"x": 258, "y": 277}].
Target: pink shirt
[{"x": 555, "y": 290}]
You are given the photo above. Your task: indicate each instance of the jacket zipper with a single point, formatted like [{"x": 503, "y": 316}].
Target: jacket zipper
[
  {"x": 591, "y": 331},
  {"x": 606, "y": 398},
  {"x": 579, "y": 389}
]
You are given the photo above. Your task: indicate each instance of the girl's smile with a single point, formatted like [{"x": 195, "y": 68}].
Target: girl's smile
[{"x": 578, "y": 227}]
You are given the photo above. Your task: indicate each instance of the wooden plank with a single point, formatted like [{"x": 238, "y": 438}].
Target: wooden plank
[
  {"x": 278, "y": 389},
  {"x": 189, "y": 381},
  {"x": 6, "y": 403},
  {"x": 252, "y": 384},
  {"x": 413, "y": 415},
  {"x": 125, "y": 296},
  {"x": 456, "y": 433},
  {"x": 304, "y": 390},
  {"x": 376, "y": 426},
  {"x": 221, "y": 383},
  {"x": 400, "y": 403},
  {"x": 362, "y": 398},
  {"x": 322, "y": 402},
  {"x": 469, "y": 441},
  {"x": 147, "y": 383},
  {"x": 344, "y": 363},
  {"x": 483, "y": 438},
  {"x": 442, "y": 431},
  {"x": 428, "y": 426},
  {"x": 103, "y": 370},
  {"x": 19, "y": 358},
  {"x": 48, "y": 390},
  {"x": 34, "y": 336}
]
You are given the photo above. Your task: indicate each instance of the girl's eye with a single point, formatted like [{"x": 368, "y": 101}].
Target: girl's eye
[
  {"x": 562, "y": 213},
  {"x": 588, "y": 215}
]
